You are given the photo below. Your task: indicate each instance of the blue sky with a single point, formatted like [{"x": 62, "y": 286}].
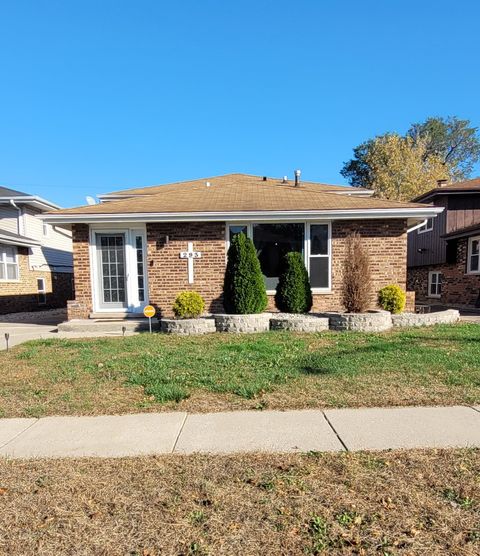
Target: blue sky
[{"x": 104, "y": 95}]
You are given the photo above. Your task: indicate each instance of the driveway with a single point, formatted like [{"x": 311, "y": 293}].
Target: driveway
[{"x": 36, "y": 326}]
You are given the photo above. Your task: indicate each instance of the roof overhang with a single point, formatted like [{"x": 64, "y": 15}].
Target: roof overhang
[
  {"x": 413, "y": 215},
  {"x": 20, "y": 241},
  {"x": 32, "y": 200}
]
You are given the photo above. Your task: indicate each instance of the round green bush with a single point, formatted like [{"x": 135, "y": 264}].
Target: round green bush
[
  {"x": 294, "y": 294},
  {"x": 243, "y": 288},
  {"x": 188, "y": 305},
  {"x": 392, "y": 298}
]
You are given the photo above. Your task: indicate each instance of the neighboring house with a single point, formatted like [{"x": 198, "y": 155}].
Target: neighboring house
[
  {"x": 443, "y": 255},
  {"x": 35, "y": 257},
  {"x": 146, "y": 245}
]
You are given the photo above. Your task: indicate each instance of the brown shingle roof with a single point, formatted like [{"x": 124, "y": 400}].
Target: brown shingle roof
[
  {"x": 237, "y": 195},
  {"x": 455, "y": 187},
  {"x": 227, "y": 179}
]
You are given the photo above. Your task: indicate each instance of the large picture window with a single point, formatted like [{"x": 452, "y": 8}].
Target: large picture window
[
  {"x": 274, "y": 240},
  {"x": 8, "y": 263}
]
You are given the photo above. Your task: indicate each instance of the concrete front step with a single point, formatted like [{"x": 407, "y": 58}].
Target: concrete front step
[
  {"x": 115, "y": 316},
  {"x": 106, "y": 325}
]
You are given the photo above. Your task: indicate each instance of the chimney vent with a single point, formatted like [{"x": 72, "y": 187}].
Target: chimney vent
[
  {"x": 285, "y": 179},
  {"x": 297, "y": 177},
  {"x": 264, "y": 178},
  {"x": 442, "y": 183}
]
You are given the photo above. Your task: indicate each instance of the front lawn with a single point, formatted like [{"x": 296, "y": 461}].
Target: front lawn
[
  {"x": 384, "y": 503},
  {"x": 276, "y": 370}
]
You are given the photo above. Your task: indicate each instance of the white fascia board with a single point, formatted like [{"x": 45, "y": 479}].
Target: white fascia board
[
  {"x": 32, "y": 200},
  {"x": 350, "y": 214}
]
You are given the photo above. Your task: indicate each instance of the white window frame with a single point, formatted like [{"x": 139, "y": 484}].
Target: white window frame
[
  {"x": 469, "y": 255},
  {"x": 306, "y": 247},
  {"x": 427, "y": 227},
  {"x": 3, "y": 261},
  {"x": 42, "y": 292},
  {"x": 438, "y": 274}
]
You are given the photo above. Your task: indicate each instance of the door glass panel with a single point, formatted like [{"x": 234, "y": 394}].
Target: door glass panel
[
  {"x": 112, "y": 258},
  {"x": 140, "y": 267}
]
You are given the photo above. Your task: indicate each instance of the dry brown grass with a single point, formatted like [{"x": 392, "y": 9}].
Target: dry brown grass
[{"x": 417, "y": 502}]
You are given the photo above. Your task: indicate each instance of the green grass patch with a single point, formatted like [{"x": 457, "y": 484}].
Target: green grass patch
[{"x": 438, "y": 365}]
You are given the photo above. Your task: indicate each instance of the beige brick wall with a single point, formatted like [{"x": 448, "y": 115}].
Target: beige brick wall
[{"x": 22, "y": 295}]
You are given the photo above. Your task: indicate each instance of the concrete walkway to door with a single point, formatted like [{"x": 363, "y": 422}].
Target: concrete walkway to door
[{"x": 242, "y": 431}]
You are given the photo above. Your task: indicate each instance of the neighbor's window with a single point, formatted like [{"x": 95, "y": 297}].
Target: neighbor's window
[
  {"x": 42, "y": 291},
  {"x": 8, "y": 263},
  {"x": 473, "y": 264},
  {"x": 273, "y": 241},
  {"x": 319, "y": 256},
  {"x": 434, "y": 284},
  {"x": 427, "y": 227}
]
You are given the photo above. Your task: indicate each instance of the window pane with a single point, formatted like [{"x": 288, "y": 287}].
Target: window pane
[
  {"x": 319, "y": 239},
  {"x": 234, "y": 230},
  {"x": 10, "y": 254},
  {"x": 12, "y": 272},
  {"x": 475, "y": 247},
  {"x": 273, "y": 242},
  {"x": 319, "y": 272},
  {"x": 474, "y": 262},
  {"x": 2, "y": 272}
]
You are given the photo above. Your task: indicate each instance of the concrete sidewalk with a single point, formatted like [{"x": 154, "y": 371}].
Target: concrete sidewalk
[{"x": 242, "y": 431}]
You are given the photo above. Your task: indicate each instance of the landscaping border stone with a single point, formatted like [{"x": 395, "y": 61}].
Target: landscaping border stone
[
  {"x": 372, "y": 321},
  {"x": 243, "y": 323},
  {"x": 449, "y": 316},
  {"x": 299, "y": 323},
  {"x": 188, "y": 326}
]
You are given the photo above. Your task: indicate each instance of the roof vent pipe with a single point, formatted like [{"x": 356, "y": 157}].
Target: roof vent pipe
[
  {"x": 285, "y": 179},
  {"x": 297, "y": 177},
  {"x": 442, "y": 183}
]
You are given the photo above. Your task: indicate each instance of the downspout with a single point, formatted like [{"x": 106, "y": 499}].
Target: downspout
[
  {"x": 413, "y": 228},
  {"x": 19, "y": 219}
]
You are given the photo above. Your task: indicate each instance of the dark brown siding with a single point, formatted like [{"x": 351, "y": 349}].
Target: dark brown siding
[
  {"x": 463, "y": 211},
  {"x": 433, "y": 247}
]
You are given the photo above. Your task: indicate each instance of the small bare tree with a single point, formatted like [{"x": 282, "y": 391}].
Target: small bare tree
[{"x": 357, "y": 279}]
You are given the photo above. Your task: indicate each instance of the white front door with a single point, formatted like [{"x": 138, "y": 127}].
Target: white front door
[{"x": 119, "y": 270}]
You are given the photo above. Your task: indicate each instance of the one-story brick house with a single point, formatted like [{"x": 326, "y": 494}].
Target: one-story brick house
[{"x": 146, "y": 245}]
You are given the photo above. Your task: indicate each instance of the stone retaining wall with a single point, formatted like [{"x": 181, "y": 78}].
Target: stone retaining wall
[
  {"x": 375, "y": 321},
  {"x": 187, "y": 326},
  {"x": 298, "y": 323},
  {"x": 425, "y": 319},
  {"x": 243, "y": 323}
]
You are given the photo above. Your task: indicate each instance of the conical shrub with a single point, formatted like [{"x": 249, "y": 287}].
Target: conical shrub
[
  {"x": 243, "y": 288},
  {"x": 294, "y": 294}
]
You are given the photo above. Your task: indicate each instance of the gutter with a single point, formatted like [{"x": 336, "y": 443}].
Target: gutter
[
  {"x": 413, "y": 228},
  {"x": 427, "y": 211}
]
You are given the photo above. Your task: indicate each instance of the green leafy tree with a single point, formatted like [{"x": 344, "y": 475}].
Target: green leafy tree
[
  {"x": 400, "y": 169},
  {"x": 452, "y": 140},
  {"x": 243, "y": 288},
  {"x": 294, "y": 294}
]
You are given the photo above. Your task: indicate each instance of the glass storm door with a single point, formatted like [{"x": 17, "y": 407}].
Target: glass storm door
[{"x": 111, "y": 264}]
